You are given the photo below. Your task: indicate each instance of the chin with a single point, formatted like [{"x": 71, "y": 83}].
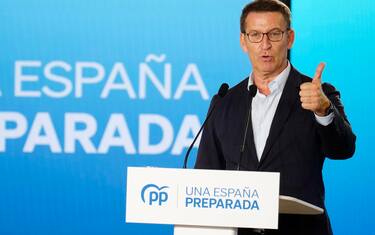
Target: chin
[{"x": 268, "y": 69}]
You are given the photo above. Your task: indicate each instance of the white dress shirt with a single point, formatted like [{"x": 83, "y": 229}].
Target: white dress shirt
[{"x": 264, "y": 108}]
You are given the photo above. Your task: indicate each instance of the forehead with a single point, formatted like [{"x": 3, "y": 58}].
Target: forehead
[{"x": 264, "y": 21}]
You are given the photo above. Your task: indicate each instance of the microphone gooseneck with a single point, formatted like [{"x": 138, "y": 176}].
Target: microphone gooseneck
[
  {"x": 223, "y": 90},
  {"x": 252, "y": 92}
]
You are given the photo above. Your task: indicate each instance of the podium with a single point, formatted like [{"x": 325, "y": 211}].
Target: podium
[{"x": 205, "y": 202}]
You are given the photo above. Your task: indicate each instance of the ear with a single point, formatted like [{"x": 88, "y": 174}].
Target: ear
[
  {"x": 243, "y": 42},
  {"x": 290, "y": 38}
]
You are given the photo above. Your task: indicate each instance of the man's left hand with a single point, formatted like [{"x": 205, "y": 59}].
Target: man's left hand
[{"x": 312, "y": 95}]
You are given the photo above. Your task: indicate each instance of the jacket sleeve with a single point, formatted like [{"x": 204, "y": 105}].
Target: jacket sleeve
[
  {"x": 337, "y": 139},
  {"x": 209, "y": 153}
]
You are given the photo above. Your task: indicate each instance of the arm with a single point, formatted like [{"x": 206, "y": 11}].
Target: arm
[{"x": 337, "y": 139}]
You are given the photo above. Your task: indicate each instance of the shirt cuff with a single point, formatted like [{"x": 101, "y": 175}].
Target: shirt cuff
[{"x": 326, "y": 120}]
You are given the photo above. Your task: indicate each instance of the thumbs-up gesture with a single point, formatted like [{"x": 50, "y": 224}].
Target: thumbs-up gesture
[{"x": 312, "y": 95}]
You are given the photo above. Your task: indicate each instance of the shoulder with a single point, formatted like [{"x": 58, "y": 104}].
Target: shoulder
[
  {"x": 239, "y": 87},
  {"x": 237, "y": 91},
  {"x": 327, "y": 87},
  {"x": 295, "y": 74},
  {"x": 232, "y": 102}
]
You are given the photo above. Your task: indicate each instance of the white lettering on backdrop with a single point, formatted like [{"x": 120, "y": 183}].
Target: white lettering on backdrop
[{"x": 88, "y": 132}]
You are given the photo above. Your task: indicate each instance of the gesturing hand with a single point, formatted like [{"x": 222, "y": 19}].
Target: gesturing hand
[{"x": 312, "y": 96}]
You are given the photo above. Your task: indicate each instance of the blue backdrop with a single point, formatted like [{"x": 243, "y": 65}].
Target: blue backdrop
[{"x": 88, "y": 88}]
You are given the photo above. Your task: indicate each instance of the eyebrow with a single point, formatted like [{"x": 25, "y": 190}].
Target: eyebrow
[{"x": 268, "y": 30}]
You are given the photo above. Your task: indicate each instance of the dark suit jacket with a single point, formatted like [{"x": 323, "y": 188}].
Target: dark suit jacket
[{"x": 296, "y": 147}]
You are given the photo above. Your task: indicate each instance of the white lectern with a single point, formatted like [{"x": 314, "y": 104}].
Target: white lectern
[{"x": 205, "y": 202}]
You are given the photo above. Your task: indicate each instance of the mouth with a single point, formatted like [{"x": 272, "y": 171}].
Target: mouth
[{"x": 266, "y": 58}]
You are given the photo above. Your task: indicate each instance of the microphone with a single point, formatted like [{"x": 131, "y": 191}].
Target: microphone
[
  {"x": 252, "y": 92},
  {"x": 221, "y": 93}
]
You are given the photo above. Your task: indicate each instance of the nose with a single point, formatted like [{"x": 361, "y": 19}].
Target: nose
[{"x": 265, "y": 43}]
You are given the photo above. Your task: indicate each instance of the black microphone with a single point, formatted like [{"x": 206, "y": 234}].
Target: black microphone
[
  {"x": 252, "y": 92},
  {"x": 221, "y": 93}
]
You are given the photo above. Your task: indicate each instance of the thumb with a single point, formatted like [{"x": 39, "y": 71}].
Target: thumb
[{"x": 318, "y": 73}]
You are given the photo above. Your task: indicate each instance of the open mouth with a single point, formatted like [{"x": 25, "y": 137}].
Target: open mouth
[{"x": 266, "y": 58}]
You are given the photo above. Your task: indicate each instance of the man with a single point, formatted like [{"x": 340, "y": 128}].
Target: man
[{"x": 295, "y": 121}]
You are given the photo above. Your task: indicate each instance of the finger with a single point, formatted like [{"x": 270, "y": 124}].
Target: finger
[
  {"x": 318, "y": 73},
  {"x": 306, "y": 106},
  {"x": 309, "y": 106},
  {"x": 308, "y": 93},
  {"x": 305, "y": 85},
  {"x": 307, "y": 100},
  {"x": 309, "y": 86},
  {"x": 304, "y": 93}
]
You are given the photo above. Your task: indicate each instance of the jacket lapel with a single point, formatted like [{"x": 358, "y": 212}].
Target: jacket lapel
[
  {"x": 287, "y": 101},
  {"x": 250, "y": 144},
  {"x": 249, "y": 159}
]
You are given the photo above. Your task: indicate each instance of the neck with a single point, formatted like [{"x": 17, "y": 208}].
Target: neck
[
  {"x": 261, "y": 80},
  {"x": 262, "y": 84}
]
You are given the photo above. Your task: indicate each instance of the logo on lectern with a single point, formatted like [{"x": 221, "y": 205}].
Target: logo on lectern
[{"x": 154, "y": 195}]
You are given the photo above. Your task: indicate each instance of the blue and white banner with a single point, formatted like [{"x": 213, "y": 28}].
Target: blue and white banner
[{"x": 202, "y": 197}]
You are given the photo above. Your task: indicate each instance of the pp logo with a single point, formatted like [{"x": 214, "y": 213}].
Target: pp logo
[{"x": 152, "y": 194}]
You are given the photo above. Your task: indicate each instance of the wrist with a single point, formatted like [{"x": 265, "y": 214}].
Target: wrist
[{"x": 325, "y": 110}]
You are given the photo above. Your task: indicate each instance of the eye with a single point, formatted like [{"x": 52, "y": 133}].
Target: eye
[
  {"x": 254, "y": 34},
  {"x": 275, "y": 33}
]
